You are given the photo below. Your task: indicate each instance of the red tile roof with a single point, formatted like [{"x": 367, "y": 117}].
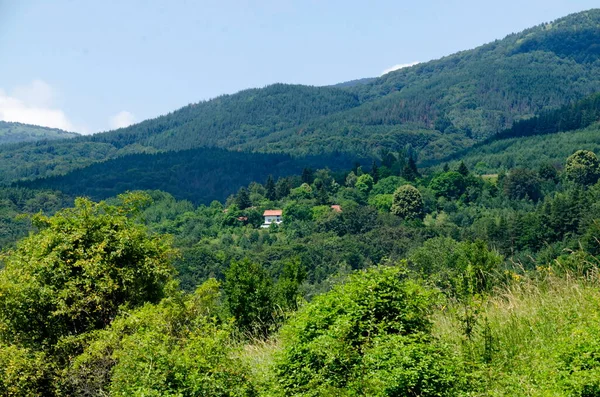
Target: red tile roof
[{"x": 273, "y": 213}]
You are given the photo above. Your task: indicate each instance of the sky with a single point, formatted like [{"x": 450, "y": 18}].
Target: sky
[{"x": 90, "y": 66}]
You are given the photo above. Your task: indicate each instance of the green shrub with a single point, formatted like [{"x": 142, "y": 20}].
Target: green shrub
[
  {"x": 369, "y": 335},
  {"x": 176, "y": 348}
]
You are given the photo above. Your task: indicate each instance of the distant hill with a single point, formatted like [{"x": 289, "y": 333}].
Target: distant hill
[
  {"x": 16, "y": 132},
  {"x": 437, "y": 108},
  {"x": 353, "y": 83}
]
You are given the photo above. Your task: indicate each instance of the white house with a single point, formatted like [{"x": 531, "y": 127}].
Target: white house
[{"x": 272, "y": 216}]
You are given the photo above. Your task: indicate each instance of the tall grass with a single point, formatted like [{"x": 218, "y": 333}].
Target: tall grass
[{"x": 539, "y": 336}]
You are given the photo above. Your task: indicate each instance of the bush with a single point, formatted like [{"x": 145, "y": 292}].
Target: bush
[
  {"x": 175, "y": 348},
  {"x": 23, "y": 373},
  {"x": 75, "y": 274},
  {"x": 369, "y": 336}
]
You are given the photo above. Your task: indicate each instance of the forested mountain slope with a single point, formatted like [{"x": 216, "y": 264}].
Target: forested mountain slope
[
  {"x": 16, "y": 132},
  {"x": 545, "y": 138},
  {"x": 198, "y": 175},
  {"x": 437, "y": 107}
]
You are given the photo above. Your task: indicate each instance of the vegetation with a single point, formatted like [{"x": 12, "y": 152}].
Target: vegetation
[
  {"x": 17, "y": 132},
  {"x": 361, "y": 301},
  {"x": 476, "y": 277}
]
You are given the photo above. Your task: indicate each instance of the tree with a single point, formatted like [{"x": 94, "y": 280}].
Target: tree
[
  {"x": 288, "y": 285},
  {"x": 351, "y": 179},
  {"x": 307, "y": 175},
  {"x": 547, "y": 172},
  {"x": 282, "y": 188},
  {"x": 462, "y": 169},
  {"x": 583, "y": 168},
  {"x": 375, "y": 172},
  {"x": 248, "y": 289},
  {"x": 410, "y": 171},
  {"x": 322, "y": 196},
  {"x": 75, "y": 273},
  {"x": 522, "y": 183},
  {"x": 242, "y": 199},
  {"x": 408, "y": 203},
  {"x": 364, "y": 183},
  {"x": 271, "y": 192},
  {"x": 450, "y": 184},
  {"x": 178, "y": 347}
]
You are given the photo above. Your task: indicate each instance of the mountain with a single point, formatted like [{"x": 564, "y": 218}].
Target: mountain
[
  {"x": 437, "y": 108},
  {"x": 16, "y": 132}
]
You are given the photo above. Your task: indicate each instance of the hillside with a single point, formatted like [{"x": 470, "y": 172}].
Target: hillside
[
  {"x": 17, "y": 132},
  {"x": 437, "y": 107},
  {"x": 198, "y": 175}
]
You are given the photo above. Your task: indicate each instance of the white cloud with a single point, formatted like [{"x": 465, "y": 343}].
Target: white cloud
[
  {"x": 33, "y": 104},
  {"x": 121, "y": 120},
  {"x": 399, "y": 66}
]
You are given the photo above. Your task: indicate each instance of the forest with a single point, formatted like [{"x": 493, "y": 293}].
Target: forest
[{"x": 422, "y": 282}]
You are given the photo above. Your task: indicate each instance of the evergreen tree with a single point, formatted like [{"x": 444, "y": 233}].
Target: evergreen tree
[
  {"x": 243, "y": 199},
  {"x": 462, "y": 169},
  {"x": 410, "y": 171},
  {"x": 446, "y": 168},
  {"x": 271, "y": 192},
  {"x": 322, "y": 196},
  {"x": 307, "y": 175},
  {"x": 282, "y": 188},
  {"x": 375, "y": 172}
]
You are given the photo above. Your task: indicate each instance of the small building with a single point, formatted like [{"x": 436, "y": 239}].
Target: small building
[
  {"x": 336, "y": 208},
  {"x": 272, "y": 216}
]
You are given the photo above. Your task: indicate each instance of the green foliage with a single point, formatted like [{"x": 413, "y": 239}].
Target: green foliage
[
  {"x": 408, "y": 203},
  {"x": 388, "y": 185},
  {"x": 364, "y": 183},
  {"x": 175, "y": 348},
  {"x": 462, "y": 169},
  {"x": 383, "y": 202},
  {"x": 583, "y": 168},
  {"x": 459, "y": 268},
  {"x": 242, "y": 200},
  {"x": 249, "y": 291},
  {"x": 521, "y": 183},
  {"x": 450, "y": 184},
  {"x": 17, "y": 132},
  {"x": 341, "y": 343},
  {"x": 24, "y": 372},
  {"x": 78, "y": 270}
]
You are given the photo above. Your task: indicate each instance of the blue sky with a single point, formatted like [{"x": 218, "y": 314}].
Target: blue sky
[{"x": 90, "y": 66}]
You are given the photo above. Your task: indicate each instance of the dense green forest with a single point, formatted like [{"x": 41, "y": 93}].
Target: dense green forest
[
  {"x": 198, "y": 175},
  {"x": 437, "y": 107},
  {"x": 18, "y": 132},
  {"x": 430, "y": 283}
]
